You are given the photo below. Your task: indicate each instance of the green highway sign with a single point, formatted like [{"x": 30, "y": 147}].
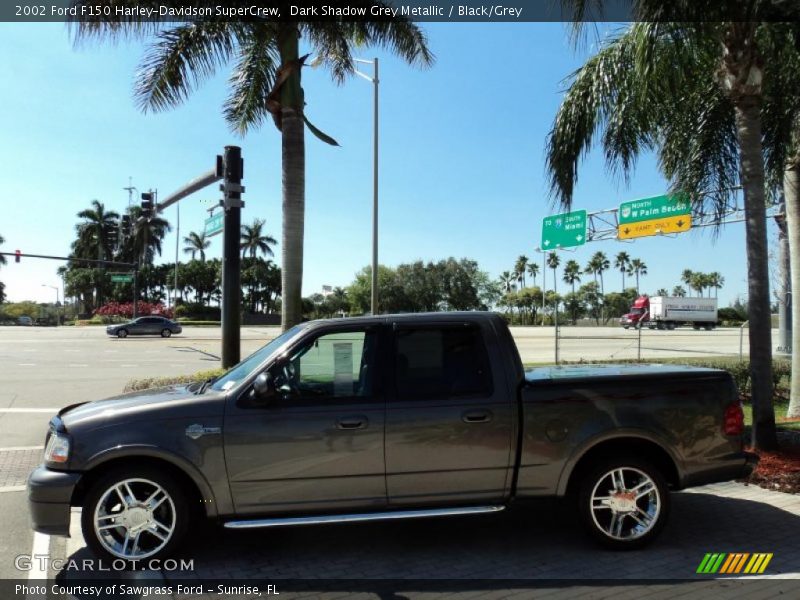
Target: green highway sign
[
  {"x": 657, "y": 207},
  {"x": 121, "y": 278},
  {"x": 214, "y": 224},
  {"x": 564, "y": 231}
]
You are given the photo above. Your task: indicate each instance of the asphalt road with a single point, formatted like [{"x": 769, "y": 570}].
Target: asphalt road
[{"x": 44, "y": 369}]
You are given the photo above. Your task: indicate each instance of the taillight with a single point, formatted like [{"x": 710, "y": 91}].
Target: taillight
[{"x": 733, "y": 423}]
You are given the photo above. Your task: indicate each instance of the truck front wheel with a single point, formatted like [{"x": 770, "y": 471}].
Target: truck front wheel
[
  {"x": 134, "y": 514},
  {"x": 624, "y": 503}
]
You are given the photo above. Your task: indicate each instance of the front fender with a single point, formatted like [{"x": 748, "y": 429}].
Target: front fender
[{"x": 214, "y": 504}]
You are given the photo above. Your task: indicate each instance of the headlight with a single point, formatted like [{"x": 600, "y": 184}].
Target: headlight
[{"x": 57, "y": 450}]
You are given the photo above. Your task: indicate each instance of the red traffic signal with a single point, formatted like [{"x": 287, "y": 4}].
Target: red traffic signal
[{"x": 17, "y": 255}]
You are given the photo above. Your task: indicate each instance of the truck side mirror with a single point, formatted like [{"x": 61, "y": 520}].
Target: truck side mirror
[{"x": 264, "y": 387}]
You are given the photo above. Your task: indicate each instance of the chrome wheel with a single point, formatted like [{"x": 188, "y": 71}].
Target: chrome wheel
[
  {"x": 625, "y": 503},
  {"x": 134, "y": 519},
  {"x": 166, "y": 333},
  {"x": 122, "y": 333}
]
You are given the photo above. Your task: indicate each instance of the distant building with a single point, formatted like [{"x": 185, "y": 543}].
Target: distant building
[{"x": 327, "y": 290}]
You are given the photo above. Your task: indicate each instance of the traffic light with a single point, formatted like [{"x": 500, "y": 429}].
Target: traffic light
[
  {"x": 125, "y": 226},
  {"x": 113, "y": 236},
  {"x": 147, "y": 205},
  {"x": 17, "y": 255}
]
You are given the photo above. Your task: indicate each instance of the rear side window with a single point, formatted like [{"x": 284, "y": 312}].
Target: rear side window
[{"x": 441, "y": 362}]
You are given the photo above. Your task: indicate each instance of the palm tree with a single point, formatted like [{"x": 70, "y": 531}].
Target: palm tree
[
  {"x": 146, "y": 236},
  {"x": 265, "y": 83},
  {"x": 637, "y": 267},
  {"x": 533, "y": 271},
  {"x": 520, "y": 267},
  {"x": 94, "y": 241},
  {"x": 507, "y": 280},
  {"x": 622, "y": 261},
  {"x": 687, "y": 277},
  {"x": 94, "y": 232},
  {"x": 572, "y": 273},
  {"x": 716, "y": 281},
  {"x": 662, "y": 292},
  {"x": 633, "y": 89},
  {"x": 254, "y": 240},
  {"x": 196, "y": 243},
  {"x": 2, "y": 258},
  {"x": 698, "y": 282},
  {"x": 678, "y": 291}
]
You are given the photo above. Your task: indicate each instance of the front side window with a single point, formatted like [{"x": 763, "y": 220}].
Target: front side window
[
  {"x": 333, "y": 366},
  {"x": 441, "y": 362}
]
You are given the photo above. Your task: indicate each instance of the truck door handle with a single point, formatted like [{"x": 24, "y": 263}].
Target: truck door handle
[
  {"x": 477, "y": 416},
  {"x": 352, "y": 423}
]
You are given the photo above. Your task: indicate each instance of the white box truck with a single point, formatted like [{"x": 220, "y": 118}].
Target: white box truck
[{"x": 668, "y": 312}]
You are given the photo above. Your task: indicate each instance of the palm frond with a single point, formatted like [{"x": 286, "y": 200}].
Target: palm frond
[
  {"x": 252, "y": 79},
  {"x": 180, "y": 59},
  {"x": 112, "y": 27}
]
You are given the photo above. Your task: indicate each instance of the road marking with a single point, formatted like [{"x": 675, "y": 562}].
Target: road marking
[
  {"x": 129, "y": 365},
  {"x": 12, "y": 488},
  {"x": 77, "y": 365},
  {"x": 28, "y": 410},
  {"x": 110, "y": 350},
  {"x": 26, "y": 365},
  {"x": 20, "y": 448},
  {"x": 41, "y": 547},
  {"x": 71, "y": 350}
]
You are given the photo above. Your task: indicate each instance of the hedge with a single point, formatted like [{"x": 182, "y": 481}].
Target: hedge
[{"x": 153, "y": 382}]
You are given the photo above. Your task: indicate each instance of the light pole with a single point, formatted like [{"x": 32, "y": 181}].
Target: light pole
[
  {"x": 53, "y": 287},
  {"x": 544, "y": 278},
  {"x": 375, "y": 82},
  {"x": 177, "y": 242}
]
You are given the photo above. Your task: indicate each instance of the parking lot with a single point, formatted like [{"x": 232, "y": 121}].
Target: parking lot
[{"x": 44, "y": 369}]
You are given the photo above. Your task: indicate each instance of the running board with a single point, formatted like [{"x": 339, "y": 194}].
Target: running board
[{"x": 357, "y": 518}]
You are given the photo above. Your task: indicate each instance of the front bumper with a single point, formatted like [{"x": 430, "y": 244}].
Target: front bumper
[{"x": 49, "y": 495}]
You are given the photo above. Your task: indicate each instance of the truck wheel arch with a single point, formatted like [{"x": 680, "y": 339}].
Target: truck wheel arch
[
  {"x": 197, "y": 487},
  {"x": 628, "y": 444}
]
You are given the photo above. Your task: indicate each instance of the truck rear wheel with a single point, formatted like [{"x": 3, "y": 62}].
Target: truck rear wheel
[
  {"x": 134, "y": 514},
  {"x": 624, "y": 503}
]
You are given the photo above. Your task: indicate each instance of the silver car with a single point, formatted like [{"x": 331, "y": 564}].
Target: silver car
[{"x": 145, "y": 326}]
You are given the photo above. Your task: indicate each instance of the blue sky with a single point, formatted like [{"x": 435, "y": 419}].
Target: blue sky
[{"x": 462, "y": 149}]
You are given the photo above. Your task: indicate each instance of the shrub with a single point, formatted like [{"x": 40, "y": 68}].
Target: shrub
[
  {"x": 125, "y": 309},
  {"x": 197, "y": 311},
  {"x": 153, "y": 382}
]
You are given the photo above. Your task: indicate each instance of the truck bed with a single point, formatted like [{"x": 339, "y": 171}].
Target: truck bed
[{"x": 670, "y": 411}]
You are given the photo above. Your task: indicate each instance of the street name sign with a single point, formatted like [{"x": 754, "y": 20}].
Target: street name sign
[
  {"x": 214, "y": 224},
  {"x": 564, "y": 231},
  {"x": 121, "y": 278},
  {"x": 653, "y": 216}
]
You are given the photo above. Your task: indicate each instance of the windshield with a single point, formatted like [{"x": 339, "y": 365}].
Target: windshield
[
  {"x": 244, "y": 368},
  {"x": 636, "y": 311}
]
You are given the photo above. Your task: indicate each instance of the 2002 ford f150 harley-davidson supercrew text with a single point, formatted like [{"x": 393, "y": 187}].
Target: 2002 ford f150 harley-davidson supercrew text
[{"x": 387, "y": 417}]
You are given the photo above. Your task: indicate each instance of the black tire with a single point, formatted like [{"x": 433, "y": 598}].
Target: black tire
[
  {"x": 122, "y": 333},
  {"x": 631, "y": 536},
  {"x": 671, "y": 326},
  {"x": 165, "y": 333},
  {"x": 625, "y": 326},
  {"x": 101, "y": 492}
]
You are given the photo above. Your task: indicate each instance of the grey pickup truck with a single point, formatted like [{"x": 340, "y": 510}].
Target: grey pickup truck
[{"x": 387, "y": 417}]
